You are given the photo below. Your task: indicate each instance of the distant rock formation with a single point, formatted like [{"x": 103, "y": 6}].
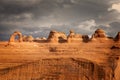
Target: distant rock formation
[
  {"x": 55, "y": 36},
  {"x": 99, "y": 35},
  {"x": 28, "y": 38},
  {"x": 73, "y": 37},
  {"x": 117, "y": 38},
  {"x": 24, "y": 37},
  {"x": 16, "y": 33},
  {"x": 40, "y": 38},
  {"x": 85, "y": 38}
]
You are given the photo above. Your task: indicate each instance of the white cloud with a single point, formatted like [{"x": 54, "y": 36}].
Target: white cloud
[
  {"x": 24, "y": 16},
  {"x": 86, "y": 25},
  {"x": 115, "y": 6}
]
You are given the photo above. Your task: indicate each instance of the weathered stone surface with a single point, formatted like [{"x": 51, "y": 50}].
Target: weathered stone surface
[
  {"x": 99, "y": 35},
  {"x": 28, "y": 38},
  {"x": 56, "y": 69},
  {"x": 55, "y": 36},
  {"x": 16, "y": 33},
  {"x": 73, "y": 37}
]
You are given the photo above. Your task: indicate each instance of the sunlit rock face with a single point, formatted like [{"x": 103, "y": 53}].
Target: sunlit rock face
[
  {"x": 60, "y": 37},
  {"x": 56, "y": 37},
  {"x": 99, "y": 33},
  {"x": 16, "y": 33},
  {"x": 99, "y": 36},
  {"x": 20, "y": 37},
  {"x": 56, "y": 59},
  {"x": 73, "y": 37},
  {"x": 28, "y": 38}
]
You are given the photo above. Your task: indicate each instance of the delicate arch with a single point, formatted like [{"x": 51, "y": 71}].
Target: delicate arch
[{"x": 16, "y": 33}]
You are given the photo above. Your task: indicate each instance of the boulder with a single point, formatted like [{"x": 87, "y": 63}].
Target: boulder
[{"x": 55, "y": 36}]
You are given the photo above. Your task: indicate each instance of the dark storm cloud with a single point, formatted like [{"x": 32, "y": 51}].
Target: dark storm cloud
[
  {"x": 13, "y": 7},
  {"x": 114, "y": 28},
  {"x": 9, "y": 8},
  {"x": 38, "y": 17},
  {"x": 76, "y": 8}
]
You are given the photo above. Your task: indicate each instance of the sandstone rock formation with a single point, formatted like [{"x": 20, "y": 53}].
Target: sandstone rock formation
[
  {"x": 73, "y": 37},
  {"x": 16, "y": 33},
  {"x": 24, "y": 37},
  {"x": 99, "y": 35},
  {"x": 117, "y": 38},
  {"x": 55, "y": 36},
  {"x": 40, "y": 38},
  {"x": 28, "y": 38},
  {"x": 85, "y": 38},
  {"x": 73, "y": 61}
]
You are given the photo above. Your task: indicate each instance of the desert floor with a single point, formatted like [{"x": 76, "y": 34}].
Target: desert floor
[{"x": 25, "y": 54}]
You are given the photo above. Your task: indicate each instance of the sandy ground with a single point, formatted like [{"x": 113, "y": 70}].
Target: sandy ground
[{"x": 17, "y": 54}]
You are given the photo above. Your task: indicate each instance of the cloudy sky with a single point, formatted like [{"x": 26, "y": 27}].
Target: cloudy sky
[{"x": 38, "y": 17}]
